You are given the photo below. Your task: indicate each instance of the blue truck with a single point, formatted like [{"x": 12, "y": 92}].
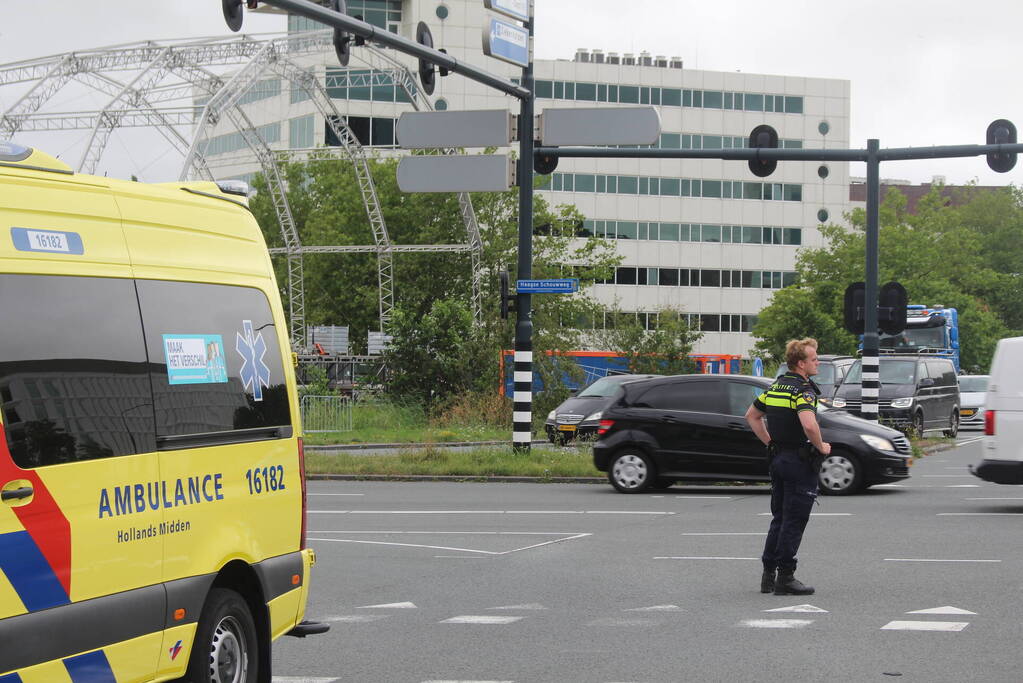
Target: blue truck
[{"x": 929, "y": 329}]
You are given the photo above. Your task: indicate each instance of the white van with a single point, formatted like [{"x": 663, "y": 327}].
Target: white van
[{"x": 1003, "y": 421}]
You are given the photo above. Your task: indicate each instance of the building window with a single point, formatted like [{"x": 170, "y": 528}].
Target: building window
[
  {"x": 380, "y": 13},
  {"x": 300, "y": 132}
]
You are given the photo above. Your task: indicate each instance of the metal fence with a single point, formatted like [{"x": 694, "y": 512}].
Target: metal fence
[{"x": 326, "y": 414}]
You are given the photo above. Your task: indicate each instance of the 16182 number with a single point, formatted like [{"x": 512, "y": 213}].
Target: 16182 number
[{"x": 265, "y": 479}]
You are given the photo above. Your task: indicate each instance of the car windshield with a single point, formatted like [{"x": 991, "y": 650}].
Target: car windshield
[
  {"x": 977, "y": 383},
  {"x": 602, "y": 388},
  {"x": 825, "y": 373},
  {"x": 914, "y": 338},
  {"x": 892, "y": 372}
]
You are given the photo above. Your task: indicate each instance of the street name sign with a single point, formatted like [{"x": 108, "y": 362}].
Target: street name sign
[
  {"x": 443, "y": 129},
  {"x": 600, "y": 126},
  {"x": 516, "y": 9},
  {"x": 465, "y": 173},
  {"x": 507, "y": 42},
  {"x": 565, "y": 285}
]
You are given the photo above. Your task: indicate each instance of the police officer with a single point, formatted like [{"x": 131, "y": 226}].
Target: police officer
[{"x": 793, "y": 438}]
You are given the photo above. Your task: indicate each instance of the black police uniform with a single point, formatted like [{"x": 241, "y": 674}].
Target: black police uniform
[{"x": 794, "y": 478}]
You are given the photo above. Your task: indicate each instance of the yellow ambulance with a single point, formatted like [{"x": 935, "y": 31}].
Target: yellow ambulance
[{"x": 152, "y": 521}]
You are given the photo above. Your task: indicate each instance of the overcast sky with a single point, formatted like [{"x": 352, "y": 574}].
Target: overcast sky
[{"x": 931, "y": 72}]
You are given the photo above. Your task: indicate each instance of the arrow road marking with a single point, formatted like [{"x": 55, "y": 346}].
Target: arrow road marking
[
  {"x": 925, "y": 626},
  {"x": 798, "y": 608},
  {"x": 776, "y": 623},
  {"x": 947, "y": 609}
]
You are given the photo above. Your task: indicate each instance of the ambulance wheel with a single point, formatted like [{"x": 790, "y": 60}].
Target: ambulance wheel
[{"x": 226, "y": 649}]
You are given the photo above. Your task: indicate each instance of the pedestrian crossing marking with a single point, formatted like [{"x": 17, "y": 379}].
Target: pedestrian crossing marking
[
  {"x": 473, "y": 619},
  {"x": 776, "y": 623},
  {"x": 390, "y": 605},
  {"x": 947, "y": 609},
  {"x": 798, "y": 608},
  {"x": 925, "y": 626}
]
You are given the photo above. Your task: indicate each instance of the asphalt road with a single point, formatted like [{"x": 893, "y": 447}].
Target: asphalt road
[{"x": 572, "y": 582}]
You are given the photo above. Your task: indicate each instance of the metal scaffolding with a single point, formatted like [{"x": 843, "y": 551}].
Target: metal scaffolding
[{"x": 144, "y": 84}]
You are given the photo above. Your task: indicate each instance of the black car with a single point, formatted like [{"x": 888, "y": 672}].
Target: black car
[
  {"x": 693, "y": 427},
  {"x": 830, "y": 373},
  {"x": 918, "y": 393},
  {"x": 579, "y": 415}
]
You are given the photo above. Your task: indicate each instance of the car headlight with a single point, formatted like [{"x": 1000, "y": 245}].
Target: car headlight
[
  {"x": 906, "y": 402},
  {"x": 838, "y": 402},
  {"x": 594, "y": 417},
  {"x": 552, "y": 415},
  {"x": 877, "y": 442}
]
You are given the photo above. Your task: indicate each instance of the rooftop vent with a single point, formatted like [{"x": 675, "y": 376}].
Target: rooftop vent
[
  {"x": 612, "y": 58},
  {"x": 629, "y": 58},
  {"x": 675, "y": 63},
  {"x": 597, "y": 56},
  {"x": 582, "y": 55},
  {"x": 645, "y": 59},
  {"x": 661, "y": 61}
]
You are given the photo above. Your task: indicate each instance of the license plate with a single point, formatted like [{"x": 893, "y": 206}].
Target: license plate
[{"x": 566, "y": 428}]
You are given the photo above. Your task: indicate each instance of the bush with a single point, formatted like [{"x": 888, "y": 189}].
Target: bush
[{"x": 474, "y": 408}]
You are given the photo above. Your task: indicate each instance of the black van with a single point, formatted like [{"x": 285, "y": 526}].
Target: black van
[{"x": 918, "y": 393}]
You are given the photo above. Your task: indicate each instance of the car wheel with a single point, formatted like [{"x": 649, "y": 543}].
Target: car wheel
[
  {"x": 953, "y": 425},
  {"x": 918, "y": 425},
  {"x": 226, "y": 647},
  {"x": 840, "y": 474},
  {"x": 631, "y": 472}
]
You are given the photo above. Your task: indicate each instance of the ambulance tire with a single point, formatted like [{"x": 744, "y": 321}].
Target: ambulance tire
[{"x": 226, "y": 647}]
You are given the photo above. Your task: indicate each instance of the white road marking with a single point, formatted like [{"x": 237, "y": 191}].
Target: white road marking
[
  {"x": 724, "y": 533},
  {"x": 488, "y": 620},
  {"x": 957, "y": 467},
  {"x": 890, "y": 486},
  {"x": 799, "y": 608},
  {"x": 947, "y": 609},
  {"x": 975, "y": 440},
  {"x": 963, "y": 486},
  {"x": 705, "y": 558},
  {"x": 992, "y": 498},
  {"x": 489, "y": 512},
  {"x": 302, "y": 679},
  {"x": 444, "y": 547},
  {"x": 918, "y": 559},
  {"x": 945, "y": 476},
  {"x": 925, "y": 626},
  {"x": 391, "y": 605},
  {"x": 655, "y": 608},
  {"x": 979, "y": 514},
  {"x": 814, "y": 514},
  {"x": 355, "y": 618},
  {"x": 776, "y": 623},
  {"x": 473, "y": 681},
  {"x": 335, "y": 494},
  {"x": 530, "y": 606},
  {"x": 618, "y": 622},
  {"x": 707, "y": 497}
]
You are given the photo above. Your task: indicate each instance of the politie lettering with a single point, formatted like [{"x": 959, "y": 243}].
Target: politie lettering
[{"x": 154, "y": 495}]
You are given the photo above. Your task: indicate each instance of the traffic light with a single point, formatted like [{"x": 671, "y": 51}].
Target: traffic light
[
  {"x": 342, "y": 41},
  {"x": 544, "y": 164},
  {"x": 232, "y": 14},
  {"x": 853, "y": 308},
  {"x": 506, "y": 297},
  {"x": 1001, "y": 132},
  {"x": 891, "y": 312},
  {"x": 763, "y": 136},
  {"x": 427, "y": 74}
]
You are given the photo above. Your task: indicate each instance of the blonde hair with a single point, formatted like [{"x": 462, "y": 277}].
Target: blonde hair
[{"x": 796, "y": 350}]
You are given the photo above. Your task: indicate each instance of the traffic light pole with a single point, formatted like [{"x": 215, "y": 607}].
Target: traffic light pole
[
  {"x": 870, "y": 383},
  {"x": 522, "y": 416},
  {"x": 1003, "y": 153}
]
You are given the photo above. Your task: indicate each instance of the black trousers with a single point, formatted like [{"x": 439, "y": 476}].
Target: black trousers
[{"x": 793, "y": 492}]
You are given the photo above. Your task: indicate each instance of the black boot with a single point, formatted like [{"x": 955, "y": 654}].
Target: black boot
[
  {"x": 767, "y": 580},
  {"x": 788, "y": 584}
]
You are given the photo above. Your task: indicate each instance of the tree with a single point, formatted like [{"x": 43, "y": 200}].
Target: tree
[
  {"x": 664, "y": 350},
  {"x": 435, "y": 356},
  {"x": 942, "y": 255}
]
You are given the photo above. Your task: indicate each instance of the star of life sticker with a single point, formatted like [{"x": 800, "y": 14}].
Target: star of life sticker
[{"x": 255, "y": 373}]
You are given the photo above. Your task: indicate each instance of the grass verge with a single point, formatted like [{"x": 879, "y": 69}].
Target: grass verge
[{"x": 478, "y": 462}]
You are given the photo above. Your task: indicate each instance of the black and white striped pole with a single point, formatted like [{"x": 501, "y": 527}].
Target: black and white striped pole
[
  {"x": 870, "y": 376},
  {"x": 522, "y": 415}
]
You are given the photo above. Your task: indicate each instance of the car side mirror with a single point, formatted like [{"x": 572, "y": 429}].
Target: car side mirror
[{"x": 927, "y": 382}]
